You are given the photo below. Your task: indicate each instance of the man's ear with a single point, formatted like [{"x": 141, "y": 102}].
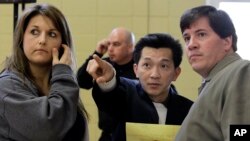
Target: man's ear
[
  {"x": 228, "y": 43},
  {"x": 177, "y": 73},
  {"x": 135, "y": 70}
]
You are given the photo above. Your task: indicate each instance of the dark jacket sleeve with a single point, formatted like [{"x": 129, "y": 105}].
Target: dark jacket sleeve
[
  {"x": 84, "y": 79},
  {"x": 113, "y": 102}
]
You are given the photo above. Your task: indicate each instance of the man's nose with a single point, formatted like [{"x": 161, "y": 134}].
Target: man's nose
[
  {"x": 192, "y": 44},
  {"x": 155, "y": 73}
]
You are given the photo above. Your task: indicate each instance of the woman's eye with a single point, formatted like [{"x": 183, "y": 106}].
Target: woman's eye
[
  {"x": 52, "y": 34},
  {"x": 34, "y": 32}
]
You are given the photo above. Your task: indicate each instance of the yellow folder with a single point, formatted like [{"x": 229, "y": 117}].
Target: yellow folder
[{"x": 151, "y": 132}]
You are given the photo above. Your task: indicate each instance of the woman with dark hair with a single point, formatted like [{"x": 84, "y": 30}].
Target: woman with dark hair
[{"x": 39, "y": 95}]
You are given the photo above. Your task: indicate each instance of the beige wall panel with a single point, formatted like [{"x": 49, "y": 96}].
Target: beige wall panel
[
  {"x": 174, "y": 29},
  {"x": 104, "y": 23},
  {"x": 6, "y": 46},
  {"x": 115, "y": 7},
  {"x": 6, "y": 24},
  {"x": 140, "y": 7},
  {"x": 94, "y": 136},
  {"x": 6, "y": 10},
  {"x": 158, "y": 24},
  {"x": 6, "y": 31},
  {"x": 82, "y": 24},
  {"x": 159, "y": 7},
  {"x": 57, "y": 3},
  {"x": 84, "y": 46},
  {"x": 177, "y": 7},
  {"x": 79, "y": 7},
  {"x": 140, "y": 25}
]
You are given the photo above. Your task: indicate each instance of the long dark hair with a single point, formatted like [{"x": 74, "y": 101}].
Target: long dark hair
[{"x": 17, "y": 61}]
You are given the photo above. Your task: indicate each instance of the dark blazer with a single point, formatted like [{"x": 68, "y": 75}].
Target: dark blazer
[{"x": 128, "y": 102}]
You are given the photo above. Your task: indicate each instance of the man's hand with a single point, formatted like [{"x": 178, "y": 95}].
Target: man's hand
[
  {"x": 100, "y": 70},
  {"x": 102, "y": 46}
]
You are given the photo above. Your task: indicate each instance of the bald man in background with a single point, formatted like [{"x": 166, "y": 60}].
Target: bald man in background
[{"x": 119, "y": 46}]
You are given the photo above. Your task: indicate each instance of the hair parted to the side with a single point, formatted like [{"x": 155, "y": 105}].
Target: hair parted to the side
[
  {"x": 17, "y": 60},
  {"x": 159, "y": 40},
  {"x": 219, "y": 21}
]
